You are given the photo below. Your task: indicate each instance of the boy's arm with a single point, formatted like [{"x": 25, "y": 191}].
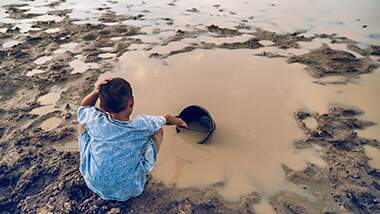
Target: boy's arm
[
  {"x": 171, "y": 120},
  {"x": 92, "y": 97}
]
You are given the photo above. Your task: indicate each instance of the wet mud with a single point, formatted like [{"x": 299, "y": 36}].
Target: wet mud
[
  {"x": 327, "y": 62},
  {"x": 36, "y": 177},
  {"x": 352, "y": 183}
]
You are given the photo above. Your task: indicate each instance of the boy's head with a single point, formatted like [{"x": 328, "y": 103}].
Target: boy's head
[{"x": 116, "y": 96}]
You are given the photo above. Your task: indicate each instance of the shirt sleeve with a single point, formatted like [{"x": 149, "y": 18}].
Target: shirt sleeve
[
  {"x": 84, "y": 114},
  {"x": 153, "y": 123}
]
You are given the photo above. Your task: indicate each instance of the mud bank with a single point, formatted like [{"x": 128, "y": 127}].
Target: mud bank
[
  {"x": 37, "y": 178},
  {"x": 37, "y": 65}
]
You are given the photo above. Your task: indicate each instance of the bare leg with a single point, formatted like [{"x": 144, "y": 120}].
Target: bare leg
[{"x": 157, "y": 138}]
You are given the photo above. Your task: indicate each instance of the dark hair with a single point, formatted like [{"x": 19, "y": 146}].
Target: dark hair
[{"x": 115, "y": 94}]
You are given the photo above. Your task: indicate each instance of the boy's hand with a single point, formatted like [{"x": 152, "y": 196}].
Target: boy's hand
[
  {"x": 103, "y": 82},
  {"x": 91, "y": 98},
  {"x": 171, "y": 120},
  {"x": 181, "y": 123}
]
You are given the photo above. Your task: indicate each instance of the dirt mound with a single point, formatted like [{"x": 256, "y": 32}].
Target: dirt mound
[
  {"x": 327, "y": 62},
  {"x": 348, "y": 184},
  {"x": 40, "y": 179},
  {"x": 223, "y": 31},
  {"x": 283, "y": 41}
]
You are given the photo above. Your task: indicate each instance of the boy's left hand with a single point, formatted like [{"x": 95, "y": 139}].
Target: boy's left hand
[{"x": 103, "y": 82}]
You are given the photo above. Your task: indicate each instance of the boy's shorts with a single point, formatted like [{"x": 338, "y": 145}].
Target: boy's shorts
[{"x": 150, "y": 155}]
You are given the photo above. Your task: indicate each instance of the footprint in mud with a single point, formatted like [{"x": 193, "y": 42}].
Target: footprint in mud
[{"x": 51, "y": 123}]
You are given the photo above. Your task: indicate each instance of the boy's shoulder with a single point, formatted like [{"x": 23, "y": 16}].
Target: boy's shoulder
[{"x": 86, "y": 113}]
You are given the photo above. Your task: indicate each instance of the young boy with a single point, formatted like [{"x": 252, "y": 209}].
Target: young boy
[{"x": 116, "y": 152}]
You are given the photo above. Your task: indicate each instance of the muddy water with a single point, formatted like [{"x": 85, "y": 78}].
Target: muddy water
[
  {"x": 48, "y": 101},
  {"x": 252, "y": 100}
]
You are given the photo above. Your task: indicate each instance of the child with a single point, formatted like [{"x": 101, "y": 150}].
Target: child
[{"x": 116, "y": 152}]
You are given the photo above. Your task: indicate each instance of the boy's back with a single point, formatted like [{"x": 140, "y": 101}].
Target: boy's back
[
  {"x": 112, "y": 159},
  {"x": 117, "y": 153}
]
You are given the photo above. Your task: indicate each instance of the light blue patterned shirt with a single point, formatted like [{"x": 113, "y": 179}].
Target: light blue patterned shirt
[{"x": 111, "y": 152}]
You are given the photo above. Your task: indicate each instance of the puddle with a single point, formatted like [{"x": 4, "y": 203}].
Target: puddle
[
  {"x": 266, "y": 42},
  {"x": 116, "y": 38},
  {"x": 43, "y": 60},
  {"x": 10, "y": 43},
  {"x": 244, "y": 154},
  {"x": 71, "y": 46},
  {"x": 43, "y": 110},
  {"x": 52, "y": 30},
  {"x": 311, "y": 123},
  {"x": 107, "y": 55},
  {"x": 80, "y": 66},
  {"x": 50, "y": 98},
  {"x": 51, "y": 123},
  {"x": 35, "y": 71},
  {"x": 374, "y": 155},
  {"x": 263, "y": 207},
  {"x": 48, "y": 101},
  {"x": 107, "y": 48},
  {"x": 71, "y": 146}
]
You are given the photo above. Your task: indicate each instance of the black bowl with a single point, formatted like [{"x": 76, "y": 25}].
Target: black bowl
[{"x": 199, "y": 115}]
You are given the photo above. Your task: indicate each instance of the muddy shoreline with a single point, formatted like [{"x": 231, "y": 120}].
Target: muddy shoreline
[{"x": 36, "y": 177}]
